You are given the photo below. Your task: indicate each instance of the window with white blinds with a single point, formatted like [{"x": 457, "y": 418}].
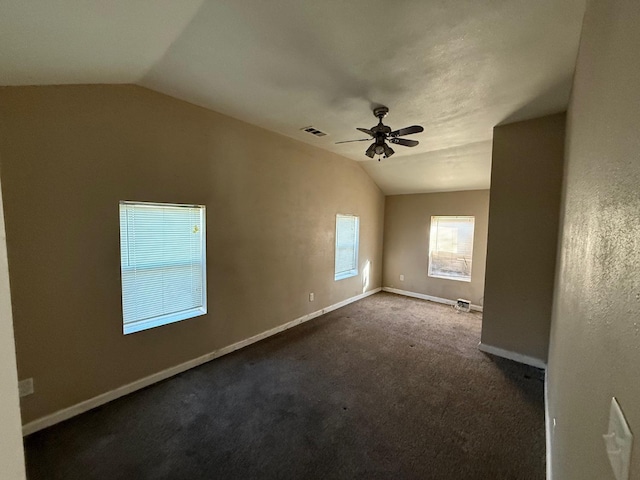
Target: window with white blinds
[
  {"x": 162, "y": 261},
  {"x": 451, "y": 247},
  {"x": 346, "y": 246}
]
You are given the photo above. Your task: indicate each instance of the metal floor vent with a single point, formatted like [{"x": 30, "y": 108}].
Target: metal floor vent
[
  {"x": 462, "y": 305},
  {"x": 313, "y": 131}
]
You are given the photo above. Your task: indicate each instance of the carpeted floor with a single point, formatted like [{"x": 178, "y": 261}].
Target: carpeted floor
[{"x": 386, "y": 388}]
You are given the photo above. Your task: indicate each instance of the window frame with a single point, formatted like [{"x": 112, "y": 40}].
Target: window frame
[
  {"x": 353, "y": 271},
  {"x": 173, "y": 317},
  {"x": 430, "y": 248}
]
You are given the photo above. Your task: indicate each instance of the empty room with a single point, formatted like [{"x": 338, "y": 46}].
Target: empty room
[{"x": 319, "y": 240}]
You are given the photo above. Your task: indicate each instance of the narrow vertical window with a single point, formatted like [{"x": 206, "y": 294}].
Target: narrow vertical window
[
  {"x": 451, "y": 247},
  {"x": 346, "y": 246},
  {"x": 162, "y": 262}
]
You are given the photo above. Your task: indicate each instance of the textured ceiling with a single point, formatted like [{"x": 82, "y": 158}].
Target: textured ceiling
[
  {"x": 83, "y": 41},
  {"x": 456, "y": 68}
]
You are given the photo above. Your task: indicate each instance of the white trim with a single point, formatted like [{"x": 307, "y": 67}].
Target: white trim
[
  {"x": 516, "y": 357},
  {"x": 160, "y": 321},
  {"x": 547, "y": 428},
  {"x": 446, "y": 301},
  {"x": 101, "y": 399},
  {"x": 444, "y": 277}
]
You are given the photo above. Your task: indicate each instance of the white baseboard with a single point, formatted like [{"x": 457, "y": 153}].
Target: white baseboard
[
  {"x": 516, "y": 357},
  {"x": 547, "y": 427},
  {"x": 94, "y": 402},
  {"x": 422, "y": 296}
]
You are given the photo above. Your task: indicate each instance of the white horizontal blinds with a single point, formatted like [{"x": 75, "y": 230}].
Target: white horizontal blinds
[
  {"x": 346, "y": 264},
  {"x": 451, "y": 247},
  {"x": 162, "y": 260}
]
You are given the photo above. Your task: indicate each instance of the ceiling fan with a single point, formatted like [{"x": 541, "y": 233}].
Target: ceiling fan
[{"x": 381, "y": 133}]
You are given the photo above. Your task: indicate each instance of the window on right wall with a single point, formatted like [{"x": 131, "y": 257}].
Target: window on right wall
[{"x": 451, "y": 247}]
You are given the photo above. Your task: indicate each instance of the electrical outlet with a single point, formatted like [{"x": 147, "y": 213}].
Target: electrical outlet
[
  {"x": 311, "y": 297},
  {"x": 402, "y": 278},
  {"x": 25, "y": 387}
]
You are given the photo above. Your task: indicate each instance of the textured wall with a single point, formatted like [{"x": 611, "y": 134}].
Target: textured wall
[
  {"x": 526, "y": 177},
  {"x": 11, "y": 451},
  {"x": 595, "y": 336},
  {"x": 71, "y": 153},
  {"x": 407, "y": 222}
]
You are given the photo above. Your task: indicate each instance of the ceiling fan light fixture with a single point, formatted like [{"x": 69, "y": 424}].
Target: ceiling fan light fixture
[
  {"x": 380, "y": 149},
  {"x": 388, "y": 151},
  {"x": 371, "y": 151}
]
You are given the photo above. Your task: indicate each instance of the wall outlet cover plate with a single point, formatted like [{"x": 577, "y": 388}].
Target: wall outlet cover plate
[
  {"x": 618, "y": 441},
  {"x": 25, "y": 387}
]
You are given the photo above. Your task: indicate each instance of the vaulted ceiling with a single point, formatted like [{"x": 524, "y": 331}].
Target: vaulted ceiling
[{"x": 456, "y": 68}]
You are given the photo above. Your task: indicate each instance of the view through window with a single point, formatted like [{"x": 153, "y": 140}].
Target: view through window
[{"x": 451, "y": 247}]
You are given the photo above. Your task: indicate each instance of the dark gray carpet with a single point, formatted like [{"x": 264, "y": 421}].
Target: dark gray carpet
[{"x": 386, "y": 388}]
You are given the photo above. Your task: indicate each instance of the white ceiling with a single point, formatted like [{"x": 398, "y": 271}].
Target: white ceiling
[{"x": 456, "y": 68}]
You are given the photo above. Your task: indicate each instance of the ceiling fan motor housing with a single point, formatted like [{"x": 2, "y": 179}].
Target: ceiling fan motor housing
[{"x": 380, "y": 112}]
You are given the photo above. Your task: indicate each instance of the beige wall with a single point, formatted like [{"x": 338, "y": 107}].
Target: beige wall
[
  {"x": 11, "y": 450},
  {"x": 595, "y": 335},
  {"x": 526, "y": 177},
  {"x": 71, "y": 153},
  {"x": 406, "y": 242}
]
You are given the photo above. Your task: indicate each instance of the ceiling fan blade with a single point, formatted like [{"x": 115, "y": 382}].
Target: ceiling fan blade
[
  {"x": 407, "y": 131},
  {"x": 364, "y": 130},
  {"x": 404, "y": 141},
  {"x": 360, "y": 140}
]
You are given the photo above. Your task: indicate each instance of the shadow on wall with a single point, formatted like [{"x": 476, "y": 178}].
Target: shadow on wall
[{"x": 542, "y": 104}]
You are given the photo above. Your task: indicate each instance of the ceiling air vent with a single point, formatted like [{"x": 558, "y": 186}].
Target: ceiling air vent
[{"x": 313, "y": 131}]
